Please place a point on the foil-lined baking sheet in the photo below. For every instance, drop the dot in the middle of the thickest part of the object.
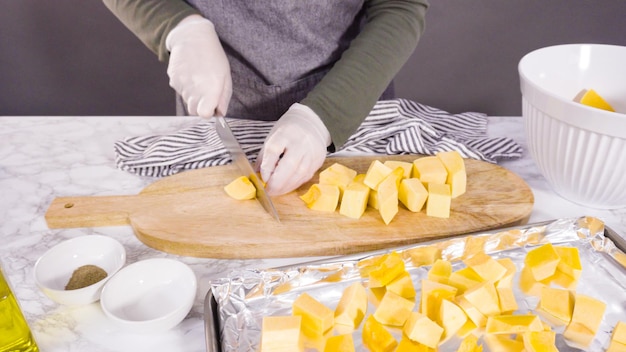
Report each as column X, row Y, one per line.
column 235, row 305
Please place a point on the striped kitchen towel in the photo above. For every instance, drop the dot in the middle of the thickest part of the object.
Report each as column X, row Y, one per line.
column 396, row 126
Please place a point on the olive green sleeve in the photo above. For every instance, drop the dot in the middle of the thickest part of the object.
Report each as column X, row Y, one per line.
column 151, row 20
column 348, row 92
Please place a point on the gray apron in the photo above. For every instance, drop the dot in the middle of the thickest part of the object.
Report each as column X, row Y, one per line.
column 279, row 50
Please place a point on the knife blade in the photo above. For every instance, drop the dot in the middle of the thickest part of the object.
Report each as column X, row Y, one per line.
column 243, row 164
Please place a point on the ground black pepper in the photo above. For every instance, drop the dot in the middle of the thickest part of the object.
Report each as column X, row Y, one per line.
column 84, row 276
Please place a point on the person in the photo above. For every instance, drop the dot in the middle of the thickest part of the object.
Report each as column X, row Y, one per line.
column 317, row 67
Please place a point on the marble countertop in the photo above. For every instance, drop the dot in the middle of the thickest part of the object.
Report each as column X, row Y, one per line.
column 46, row 157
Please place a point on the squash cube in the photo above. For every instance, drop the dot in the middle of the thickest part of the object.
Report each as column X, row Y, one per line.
column 402, row 285
column 375, row 174
column 542, row 261
column 432, row 295
column 439, row 200
column 457, row 176
column 424, row 255
column 430, row 169
column 485, row 266
column 540, row 341
column 340, row 343
column 354, row 200
column 338, row 175
column 422, row 329
column 281, row 334
column 387, row 194
column 407, row 168
column 484, row 297
column 586, row 318
column 321, row 197
column 241, row 188
column 376, row 337
column 513, row 324
column 556, row 305
column 316, row 317
column 394, row 309
column 440, row 271
column 570, row 261
column 412, row 194
column 388, row 269
column 451, row 318
column 352, row 306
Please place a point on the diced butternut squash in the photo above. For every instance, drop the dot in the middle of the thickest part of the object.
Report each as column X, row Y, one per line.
column 352, row 306
column 464, row 279
column 440, row 271
column 506, row 299
column 451, row 318
column 556, row 305
column 387, row 194
column 338, row 175
column 354, row 200
column 316, row 317
column 431, row 296
column 570, row 261
column 376, row 337
column 540, row 341
column 619, row 332
column 388, row 269
column 586, row 318
column 402, row 285
column 424, row 255
column 439, row 200
column 430, row 169
column 340, row 343
column 375, row 174
column 457, row 176
column 394, row 309
column 322, row 197
column 412, row 194
column 511, row 269
column 542, row 261
column 407, row 168
column 422, row 329
column 408, row 345
column 485, row 266
column 513, row 324
column 484, row 297
column 470, row 344
column 281, row 334
column 478, row 318
column 241, row 189
column 503, row 343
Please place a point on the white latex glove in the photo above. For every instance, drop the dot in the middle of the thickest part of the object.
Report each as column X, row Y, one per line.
column 294, row 150
column 198, row 68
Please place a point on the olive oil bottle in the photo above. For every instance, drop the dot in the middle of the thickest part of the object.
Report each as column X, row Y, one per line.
column 15, row 335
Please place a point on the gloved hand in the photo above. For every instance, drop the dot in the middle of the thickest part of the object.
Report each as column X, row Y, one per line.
column 198, row 68
column 294, row 150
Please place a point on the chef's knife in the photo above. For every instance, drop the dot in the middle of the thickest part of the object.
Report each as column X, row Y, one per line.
column 241, row 161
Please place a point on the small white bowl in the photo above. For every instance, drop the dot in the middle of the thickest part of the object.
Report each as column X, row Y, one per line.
column 54, row 268
column 580, row 150
column 151, row 295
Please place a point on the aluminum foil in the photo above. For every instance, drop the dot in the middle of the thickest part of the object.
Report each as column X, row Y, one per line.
column 245, row 297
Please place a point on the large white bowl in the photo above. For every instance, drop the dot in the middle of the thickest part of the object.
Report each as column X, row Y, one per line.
column 55, row 267
column 580, row 150
column 149, row 296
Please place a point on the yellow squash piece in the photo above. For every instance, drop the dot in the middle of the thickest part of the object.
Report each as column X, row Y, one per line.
column 619, row 332
column 451, row 318
column 340, row 343
column 352, row 306
column 570, row 261
column 485, row 266
column 408, row 345
column 390, row 267
column 241, row 188
column 354, row 200
column 322, row 197
column 440, row 271
column 439, row 200
column 402, row 285
column 405, row 166
column 431, row 296
column 484, row 297
column 586, row 318
column 556, row 305
column 511, row 269
column 470, row 344
column 542, row 261
column 281, row 334
column 513, row 324
column 593, row 99
column 503, row 343
column 476, row 317
column 506, row 299
column 376, row 337
column 375, row 174
column 540, row 341
column 424, row 255
column 464, row 279
column 422, row 329
column 393, row 309
column 338, row 175
column 430, row 169
column 457, row 176
column 316, row 317
column 387, row 194
column 412, row 194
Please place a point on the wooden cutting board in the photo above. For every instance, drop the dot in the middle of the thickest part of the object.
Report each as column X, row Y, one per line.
column 190, row 214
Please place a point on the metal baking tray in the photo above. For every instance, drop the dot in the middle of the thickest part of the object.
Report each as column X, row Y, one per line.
column 235, row 305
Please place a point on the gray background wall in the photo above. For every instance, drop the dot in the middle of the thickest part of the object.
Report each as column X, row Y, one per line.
column 73, row 57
